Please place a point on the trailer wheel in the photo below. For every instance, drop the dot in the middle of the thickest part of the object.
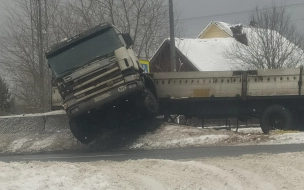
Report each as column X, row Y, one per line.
column 83, row 130
column 276, row 117
column 151, row 104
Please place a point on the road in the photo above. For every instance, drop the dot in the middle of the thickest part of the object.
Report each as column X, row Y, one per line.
column 171, row 154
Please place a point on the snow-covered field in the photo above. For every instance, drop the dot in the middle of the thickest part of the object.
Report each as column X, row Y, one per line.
column 250, row 172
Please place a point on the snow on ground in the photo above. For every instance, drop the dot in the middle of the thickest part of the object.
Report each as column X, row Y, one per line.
column 173, row 136
column 250, row 172
column 286, row 138
column 34, row 143
column 165, row 136
column 250, row 130
column 191, row 141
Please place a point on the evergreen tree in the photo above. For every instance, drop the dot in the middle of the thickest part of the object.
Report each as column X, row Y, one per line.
column 5, row 96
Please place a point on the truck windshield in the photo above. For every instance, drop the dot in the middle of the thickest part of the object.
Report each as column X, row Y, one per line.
column 84, row 52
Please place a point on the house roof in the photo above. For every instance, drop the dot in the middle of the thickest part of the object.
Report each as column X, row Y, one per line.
column 203, row 54
column 206, row 54
column 225, row 27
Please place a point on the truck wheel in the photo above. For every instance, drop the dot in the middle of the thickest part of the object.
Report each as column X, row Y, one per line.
column 150, row 102
column 276, row 117
column 83, row 130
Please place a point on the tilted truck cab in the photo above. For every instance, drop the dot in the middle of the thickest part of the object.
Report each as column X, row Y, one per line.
column 95, row 68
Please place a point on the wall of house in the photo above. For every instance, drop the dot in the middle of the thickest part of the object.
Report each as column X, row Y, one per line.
column 214, row 31
column 162, row 61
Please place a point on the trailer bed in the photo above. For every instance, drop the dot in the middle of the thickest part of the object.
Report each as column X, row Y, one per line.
column 225, row 84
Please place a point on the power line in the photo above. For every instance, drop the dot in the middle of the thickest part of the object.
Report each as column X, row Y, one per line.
column 233, row 13
column 211, row 16
column 297, row 20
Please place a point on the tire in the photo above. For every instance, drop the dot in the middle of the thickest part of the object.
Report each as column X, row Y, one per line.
column 276, row 117
column 151, row 105
column 83, row 129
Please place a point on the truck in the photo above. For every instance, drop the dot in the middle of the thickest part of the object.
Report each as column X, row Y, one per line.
column 99, row 80
column 96, row 75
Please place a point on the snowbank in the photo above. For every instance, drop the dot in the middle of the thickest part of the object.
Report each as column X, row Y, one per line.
column 291, row 137
column 262, row 171
column 36, row 175
column 34, row 143
column 256, row 130
column 174, row 136
column 165, row 136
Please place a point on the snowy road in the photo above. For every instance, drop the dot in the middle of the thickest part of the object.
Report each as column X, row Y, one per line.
column 230, row 163
column 171, row 154
column 248, row 172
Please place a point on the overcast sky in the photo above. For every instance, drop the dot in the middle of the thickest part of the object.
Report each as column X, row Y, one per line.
column 196, row 14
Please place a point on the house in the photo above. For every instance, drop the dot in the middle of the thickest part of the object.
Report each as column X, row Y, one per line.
column 210, row 50
column 205, row 53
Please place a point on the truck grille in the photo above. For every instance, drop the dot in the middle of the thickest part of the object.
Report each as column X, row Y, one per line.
column 99, row 81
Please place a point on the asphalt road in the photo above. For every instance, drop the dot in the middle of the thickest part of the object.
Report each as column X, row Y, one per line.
column 171, row 154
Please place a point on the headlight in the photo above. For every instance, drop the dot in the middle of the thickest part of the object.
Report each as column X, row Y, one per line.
column 69, row 103
column 131, row 78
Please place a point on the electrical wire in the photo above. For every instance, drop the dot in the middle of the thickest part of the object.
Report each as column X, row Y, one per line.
column 233, row 13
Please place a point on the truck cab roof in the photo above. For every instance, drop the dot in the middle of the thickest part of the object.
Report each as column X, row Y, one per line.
column 67, row 42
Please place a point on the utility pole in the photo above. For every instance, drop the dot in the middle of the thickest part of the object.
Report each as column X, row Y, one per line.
column 172, row 37
column 46, row 20
column 40, row 57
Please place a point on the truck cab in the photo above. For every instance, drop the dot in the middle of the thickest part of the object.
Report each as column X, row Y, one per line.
column 95, row 68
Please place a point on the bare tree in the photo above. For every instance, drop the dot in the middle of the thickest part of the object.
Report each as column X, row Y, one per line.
column 17, row 50
column 21, row 39
column 273, row 41
column 21, row 53
column 147, row 21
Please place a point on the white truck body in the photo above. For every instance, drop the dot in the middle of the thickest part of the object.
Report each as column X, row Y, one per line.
column 271, row 82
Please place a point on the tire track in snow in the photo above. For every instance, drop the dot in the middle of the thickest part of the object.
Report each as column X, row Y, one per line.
column 250, row 172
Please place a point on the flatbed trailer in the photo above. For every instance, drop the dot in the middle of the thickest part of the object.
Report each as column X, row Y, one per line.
column 275, row 96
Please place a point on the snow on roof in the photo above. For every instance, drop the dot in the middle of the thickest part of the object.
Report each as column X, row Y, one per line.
column 225, row 26
column 206, row 54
